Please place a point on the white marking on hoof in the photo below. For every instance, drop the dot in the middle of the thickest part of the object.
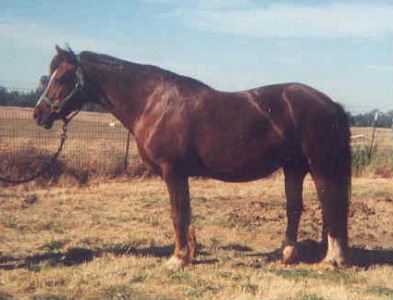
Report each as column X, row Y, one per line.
column 335, row 254
column 175, row 264
column 289, row 254
column 326, row 266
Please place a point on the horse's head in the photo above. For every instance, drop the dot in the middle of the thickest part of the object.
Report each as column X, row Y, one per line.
column 64, row 91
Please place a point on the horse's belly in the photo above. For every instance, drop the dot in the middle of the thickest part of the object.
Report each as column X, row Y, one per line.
column 242, row 163
column 239, row 176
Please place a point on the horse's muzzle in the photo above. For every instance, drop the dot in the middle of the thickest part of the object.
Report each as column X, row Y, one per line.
column 44, row 115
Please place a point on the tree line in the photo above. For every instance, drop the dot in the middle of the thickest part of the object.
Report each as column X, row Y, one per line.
column 16, row 98
column 368, row 119
column 29, row 99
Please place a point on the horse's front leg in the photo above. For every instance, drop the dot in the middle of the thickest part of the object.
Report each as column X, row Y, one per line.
column 185, row 243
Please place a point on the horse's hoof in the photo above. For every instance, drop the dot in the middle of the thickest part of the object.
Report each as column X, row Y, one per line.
column 175, row 264
column 326, row 265
column 289, row 254
column 334, row 262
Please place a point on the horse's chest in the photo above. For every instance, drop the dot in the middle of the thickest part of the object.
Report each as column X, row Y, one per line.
column 147, row 159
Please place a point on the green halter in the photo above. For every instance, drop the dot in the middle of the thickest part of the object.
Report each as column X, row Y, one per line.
column 79, row 87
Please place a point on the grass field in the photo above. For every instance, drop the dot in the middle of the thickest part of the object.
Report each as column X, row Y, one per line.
column 110, row 241
column 110, row 238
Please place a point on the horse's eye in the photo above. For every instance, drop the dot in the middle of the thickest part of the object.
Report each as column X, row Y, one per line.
column 67, row 78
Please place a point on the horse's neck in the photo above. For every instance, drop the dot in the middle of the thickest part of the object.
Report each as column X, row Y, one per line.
column 126, row 95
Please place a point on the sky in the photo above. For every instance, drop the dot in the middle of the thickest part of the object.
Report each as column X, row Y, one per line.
column 343, row 48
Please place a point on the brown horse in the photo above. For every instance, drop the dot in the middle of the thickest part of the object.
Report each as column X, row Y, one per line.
column 185, row 128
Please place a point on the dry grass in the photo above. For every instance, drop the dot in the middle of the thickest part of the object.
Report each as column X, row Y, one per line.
column 110, row 241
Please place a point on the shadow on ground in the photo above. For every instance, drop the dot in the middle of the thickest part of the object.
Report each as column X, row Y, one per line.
column 309, row 251
column 75, row 256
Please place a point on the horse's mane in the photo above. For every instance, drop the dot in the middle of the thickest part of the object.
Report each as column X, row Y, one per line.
column 112, row 63
column 104, row 60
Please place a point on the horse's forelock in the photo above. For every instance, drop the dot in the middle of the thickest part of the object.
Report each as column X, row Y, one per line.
column 67, row 55
column 54, row 63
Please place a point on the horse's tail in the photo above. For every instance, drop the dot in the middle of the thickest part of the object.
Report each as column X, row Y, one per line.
column 343, row 152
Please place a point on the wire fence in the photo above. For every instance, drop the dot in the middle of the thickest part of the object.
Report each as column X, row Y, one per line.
column 96, row 146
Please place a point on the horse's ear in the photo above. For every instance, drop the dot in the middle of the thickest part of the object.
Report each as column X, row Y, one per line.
column 59, row 50
column 65, row 55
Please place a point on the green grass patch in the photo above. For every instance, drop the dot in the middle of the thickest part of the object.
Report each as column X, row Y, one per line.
column 117, row 292
column 180, row 276
column 139, row 277
column 308, row 296
column 379, row 162
column 53, row 245
column 380, row 291
column 48, row 297
column 249, row 288
column 360, row 158
column 12, row 222
column 5, row 296
column 331, row 276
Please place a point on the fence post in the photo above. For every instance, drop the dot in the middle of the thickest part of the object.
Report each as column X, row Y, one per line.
column 125, row 161
column 392, row 129
column 373, row 135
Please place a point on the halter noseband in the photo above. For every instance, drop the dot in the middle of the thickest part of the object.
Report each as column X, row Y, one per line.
column 58, row 106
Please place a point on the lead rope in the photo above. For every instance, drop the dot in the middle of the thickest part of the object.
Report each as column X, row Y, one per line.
column 47, row 164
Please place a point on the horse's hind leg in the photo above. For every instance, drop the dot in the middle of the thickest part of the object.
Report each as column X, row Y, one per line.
column 294, row 177
column 334, row 198
column 331, row 172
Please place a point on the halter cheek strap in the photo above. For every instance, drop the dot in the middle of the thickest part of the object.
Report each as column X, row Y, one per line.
column 58, row 106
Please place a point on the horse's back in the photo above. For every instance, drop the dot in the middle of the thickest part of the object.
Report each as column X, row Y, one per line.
column 299, row 109
column 235, row 137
